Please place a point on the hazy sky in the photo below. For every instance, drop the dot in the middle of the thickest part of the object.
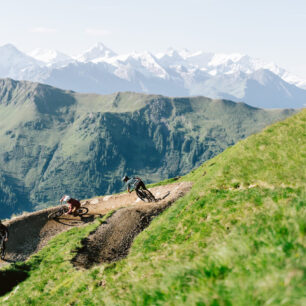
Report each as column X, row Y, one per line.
column 273, row 30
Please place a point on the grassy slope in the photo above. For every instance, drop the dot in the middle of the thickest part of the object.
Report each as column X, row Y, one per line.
column 238, row 238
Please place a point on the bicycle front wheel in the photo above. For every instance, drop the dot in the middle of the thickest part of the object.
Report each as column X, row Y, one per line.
column 142, row 195
column 149, row 196
column 56, row 213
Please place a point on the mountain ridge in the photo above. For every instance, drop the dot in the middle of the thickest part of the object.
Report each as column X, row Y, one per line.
column 174, row 73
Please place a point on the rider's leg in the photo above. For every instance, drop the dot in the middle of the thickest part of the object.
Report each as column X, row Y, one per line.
column 139, row 191
column 137, row 187
column 143, row 186
column 75, row 209
column 69, row 212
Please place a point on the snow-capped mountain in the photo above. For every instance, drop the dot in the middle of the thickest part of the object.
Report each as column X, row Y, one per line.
column 97, row 53
column 235, row 76
column 16, row 64
column 51, row 57
column 145, row 63
column 232, row 63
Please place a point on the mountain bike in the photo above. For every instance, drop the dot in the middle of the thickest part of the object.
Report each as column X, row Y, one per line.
column 63, row 209
column 145, row 195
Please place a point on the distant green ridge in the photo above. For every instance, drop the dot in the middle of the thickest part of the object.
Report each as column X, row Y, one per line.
column 238, row 238
column 54, row 142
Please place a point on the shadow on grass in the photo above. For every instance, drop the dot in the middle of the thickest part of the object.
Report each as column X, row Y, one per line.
column 9, row 278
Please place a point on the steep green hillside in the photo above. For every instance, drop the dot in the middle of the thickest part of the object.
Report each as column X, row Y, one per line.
column 238, row 238
column 54, row 142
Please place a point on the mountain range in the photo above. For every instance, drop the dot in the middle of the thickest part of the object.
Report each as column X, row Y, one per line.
column 174, row 73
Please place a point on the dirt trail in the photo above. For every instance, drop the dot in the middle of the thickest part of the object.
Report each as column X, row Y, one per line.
column 29, row 233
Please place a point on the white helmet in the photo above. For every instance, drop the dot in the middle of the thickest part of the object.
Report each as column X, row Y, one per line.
column 66, row 198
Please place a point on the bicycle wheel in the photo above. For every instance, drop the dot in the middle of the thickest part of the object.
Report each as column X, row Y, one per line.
column 141, row 195
column 82, row 211
column 144, row 195
column 149, row 196
column 56, row 213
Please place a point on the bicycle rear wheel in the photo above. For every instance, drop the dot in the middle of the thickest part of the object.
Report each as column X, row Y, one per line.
column 82, row 211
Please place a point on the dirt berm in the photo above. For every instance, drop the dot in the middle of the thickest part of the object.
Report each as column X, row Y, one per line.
column 111, row 241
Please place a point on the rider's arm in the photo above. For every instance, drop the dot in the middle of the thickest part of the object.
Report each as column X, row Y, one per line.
column 70, row 208
column 128, row 187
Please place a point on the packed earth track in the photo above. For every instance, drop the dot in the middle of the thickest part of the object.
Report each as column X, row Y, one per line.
column 30, row 232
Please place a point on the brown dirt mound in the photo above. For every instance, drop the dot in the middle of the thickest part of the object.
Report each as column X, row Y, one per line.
column 112, row 240
column 30, row 232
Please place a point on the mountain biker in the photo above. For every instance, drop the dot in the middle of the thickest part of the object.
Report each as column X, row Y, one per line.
column 73, row 204
column 135, row 183
column 3, row 238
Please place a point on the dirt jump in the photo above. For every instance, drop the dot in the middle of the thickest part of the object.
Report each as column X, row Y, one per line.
column 111, row 241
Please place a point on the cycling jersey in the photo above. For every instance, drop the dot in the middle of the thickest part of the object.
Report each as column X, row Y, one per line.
column 74, row 203
column 132, row 183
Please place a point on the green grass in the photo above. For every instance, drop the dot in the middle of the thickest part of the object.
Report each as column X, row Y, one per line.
column 50, row 271
column 238, row 238
column 164, row 182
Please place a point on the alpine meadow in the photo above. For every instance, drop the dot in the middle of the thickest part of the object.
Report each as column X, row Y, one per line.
column 236, row 238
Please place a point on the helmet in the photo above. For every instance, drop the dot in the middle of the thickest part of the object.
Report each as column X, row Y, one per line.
column 125, row 178
column 66, row 198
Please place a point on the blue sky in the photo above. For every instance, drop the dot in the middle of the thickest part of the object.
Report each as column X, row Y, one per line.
column 272, row 30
